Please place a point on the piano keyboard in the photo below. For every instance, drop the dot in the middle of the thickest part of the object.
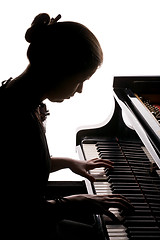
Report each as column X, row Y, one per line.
column 134, row 176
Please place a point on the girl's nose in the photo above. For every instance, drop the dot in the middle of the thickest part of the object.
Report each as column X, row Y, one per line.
column 79, row 88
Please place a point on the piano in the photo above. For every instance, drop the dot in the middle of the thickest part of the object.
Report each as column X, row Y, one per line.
column 130, row 139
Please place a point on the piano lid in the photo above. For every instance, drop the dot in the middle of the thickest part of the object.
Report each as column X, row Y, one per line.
column 138, row 84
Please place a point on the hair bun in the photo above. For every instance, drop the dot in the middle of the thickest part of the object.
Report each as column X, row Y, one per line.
column 42, row 18
column 37, row 26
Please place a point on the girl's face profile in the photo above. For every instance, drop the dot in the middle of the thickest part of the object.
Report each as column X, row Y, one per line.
column 66, row 88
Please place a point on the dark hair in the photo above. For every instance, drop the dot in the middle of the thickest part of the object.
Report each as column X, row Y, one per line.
column 66, row 47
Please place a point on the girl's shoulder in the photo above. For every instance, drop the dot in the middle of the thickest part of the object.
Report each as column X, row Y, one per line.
column 4, row 84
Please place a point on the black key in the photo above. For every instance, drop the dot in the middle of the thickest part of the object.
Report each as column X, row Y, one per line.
column 142, row 228
column 139, row 222
column 123, row 191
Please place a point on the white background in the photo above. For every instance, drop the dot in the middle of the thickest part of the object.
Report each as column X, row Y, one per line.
column 129, row 33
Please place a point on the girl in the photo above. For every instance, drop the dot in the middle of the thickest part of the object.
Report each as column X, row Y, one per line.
column 62, row 55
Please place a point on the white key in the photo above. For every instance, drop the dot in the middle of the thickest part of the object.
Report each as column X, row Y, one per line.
column 117, row 232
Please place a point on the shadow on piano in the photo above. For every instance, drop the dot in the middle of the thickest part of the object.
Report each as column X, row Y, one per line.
column 134, row 147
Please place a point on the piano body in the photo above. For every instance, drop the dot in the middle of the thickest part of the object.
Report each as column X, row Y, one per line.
column 131, row 139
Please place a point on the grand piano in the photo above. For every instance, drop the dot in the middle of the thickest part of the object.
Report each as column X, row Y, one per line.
column 130, row 139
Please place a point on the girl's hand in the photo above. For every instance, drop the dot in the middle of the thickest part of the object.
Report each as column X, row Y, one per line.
column 97, row 204
column 82, row 167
